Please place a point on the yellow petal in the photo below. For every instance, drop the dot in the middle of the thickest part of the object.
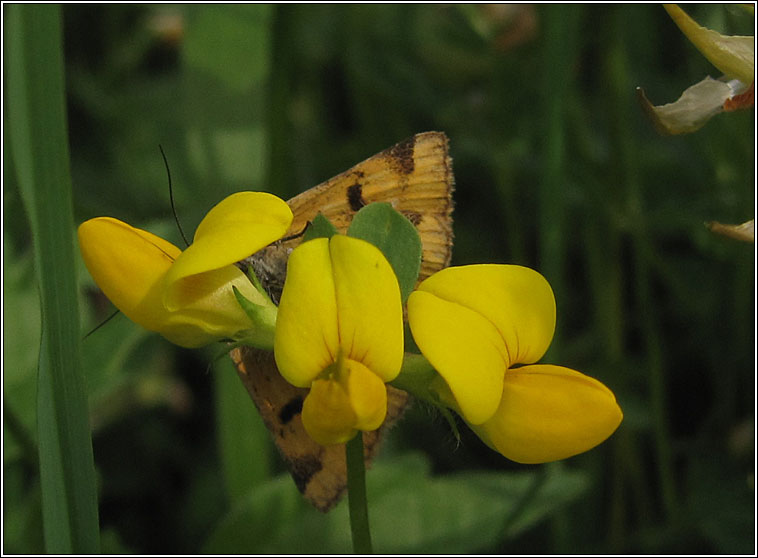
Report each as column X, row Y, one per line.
column 328, row 416
column 466, row 350
column 307, row 340
column 368, row 396
column 201, row 290
column 548, row 413
column 369, row 308
column 351, row 398
column 208, row 309
column 237, row 227
column 733, row 55
column 517, row 300
column 129, row 265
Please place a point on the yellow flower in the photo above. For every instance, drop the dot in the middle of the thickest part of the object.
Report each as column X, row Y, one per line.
column 339, row 331
column 187, row 296
column 475, row 324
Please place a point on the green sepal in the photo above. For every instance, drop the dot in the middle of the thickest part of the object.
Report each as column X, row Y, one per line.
column 320, row 227
column 261, row 335
column 417, row 377
column 450, row 417
column 256, row 283
column 397, row 238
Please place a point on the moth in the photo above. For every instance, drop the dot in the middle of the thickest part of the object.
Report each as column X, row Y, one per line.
column 416, row 177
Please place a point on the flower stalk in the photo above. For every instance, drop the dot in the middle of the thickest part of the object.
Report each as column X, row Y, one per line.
column 356, row 494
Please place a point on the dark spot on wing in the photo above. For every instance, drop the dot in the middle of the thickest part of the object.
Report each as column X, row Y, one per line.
column 413, row 216
column 355, row 196
column 401, row 156
column 292, row 408
column 303, row 469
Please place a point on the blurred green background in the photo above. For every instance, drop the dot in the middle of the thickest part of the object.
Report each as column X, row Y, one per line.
column 556, row 168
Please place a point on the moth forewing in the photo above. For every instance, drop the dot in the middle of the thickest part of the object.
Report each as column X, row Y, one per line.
column 319, row 472
column 416, row 177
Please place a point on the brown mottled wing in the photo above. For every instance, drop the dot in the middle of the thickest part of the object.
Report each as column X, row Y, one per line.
column 319, row 471
column 416, row 177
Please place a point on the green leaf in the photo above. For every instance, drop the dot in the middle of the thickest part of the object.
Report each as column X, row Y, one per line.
column 274, row 518
column 21, row 306
column 417, row 513
column 22, row 517
column 410, row 511
column 37, row 125
column 395, row 236
column 717, row 496
column 320, row 227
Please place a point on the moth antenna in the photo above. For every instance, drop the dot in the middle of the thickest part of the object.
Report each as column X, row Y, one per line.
column 171, row 197
column 296, row 235
column 101, row 324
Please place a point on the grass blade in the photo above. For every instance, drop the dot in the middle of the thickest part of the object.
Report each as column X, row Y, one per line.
column 37, row 126
column 244, row 442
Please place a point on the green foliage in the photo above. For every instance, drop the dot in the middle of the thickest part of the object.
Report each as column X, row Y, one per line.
column 395, row 236
column 411, row 512
column 37, row 125
column 388, row 230
column 555, row 167
column 320, row 227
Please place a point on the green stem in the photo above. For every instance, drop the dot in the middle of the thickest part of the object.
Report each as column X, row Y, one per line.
column 642, row 255
column 356, row 495
column 656, row 381
column 281, row 84
column 562, row 31
column 415, row 375
column 560, row 52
